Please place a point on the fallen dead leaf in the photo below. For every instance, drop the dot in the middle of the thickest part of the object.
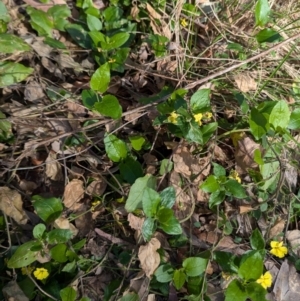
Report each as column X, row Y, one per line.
column 293, row 237
column 63, row 223
column 135, row 222
column 140, row 284
column 12, row 291
column 245, row 209
column 34, row 92
column 277, row 228
column 11, row 204
column 74, row 192
column 96, row 188
column 53, row 168
column 245, row 82
column 27, row 186
column 244, row 154
column 148, row 256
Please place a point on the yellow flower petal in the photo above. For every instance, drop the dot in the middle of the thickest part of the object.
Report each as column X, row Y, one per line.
column 41, row 273
column 198, row 117
column 173, row 117
column 277, row 249
column 265, row 280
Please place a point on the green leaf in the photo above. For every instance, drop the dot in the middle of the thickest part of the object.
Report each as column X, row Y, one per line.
column 269, row 173
column 226, row 260
column 164, row 215
column 216, row 198
column 137, row 142
column 257, row 157
column 109, row 106
column 130, row 170
column 256, row 292
column 79, row 35
column 115, row 41
column 151, row 200
column 258, row 123
column 4, row 15
column 54, row 43
column 115, row 148
column 89, row 98
column 168, row 197
column 11, row 73
column 219, row 170
column 210, row 184
column 166, row 166
column 136, row 192
column 38, row 231
column 48, row 209
column 5, row 128
column 171, row 226
column 23, row 256
column 235, row 189
column 148, row 228
column 70, row 267
column 101, row 78
column 58, row 253
column 10, row 44
column 294, row 123
column 200, row 100
column 59, row 236
column 268, row 35
column 118, row 59
column 68, row 294
column 194, row 134
column 93, row 23
column 257, row 241
column 97, row 37
column 164, row 273
column 40, row 21
column 59, row 14
column 130, row 297
column 251, row 266
column 235, row 291
column 194, row 266
column 280, row 115
column 208, row 130
column 262, row 11
column 179, row 279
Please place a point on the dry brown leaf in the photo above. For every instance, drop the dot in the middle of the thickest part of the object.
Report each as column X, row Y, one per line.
column 162, row 28
column 53, row 168
column 245, row 82
column 293, row 237
column 27, row 186
column 11, row 204
column 135, row 222
column 148, row 256
column 151, row 297
column 245, row 209
column 73, row 193
column 219, row 154
column 34, row 92
column 63, row 223
column 244, row 154
column 13, row 292
column 96, row 188
column 140, row 284
column 277, row 228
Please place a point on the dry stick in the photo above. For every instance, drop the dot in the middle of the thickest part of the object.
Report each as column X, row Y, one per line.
column 249, row 60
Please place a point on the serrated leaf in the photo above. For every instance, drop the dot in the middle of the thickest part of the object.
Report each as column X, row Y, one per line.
column 23, row 256
column 200, row 100
column 280, row 115
column 168, row 197
column 109, row 106
column 136, row 192
column 194, row 266
column 115, row 148
column 151, row 200
column 171, row 226
column 164, row 215
column 210, row 184
column 179, row 279
column 262, row 11
column 235, row 189
column 48, row 209
column 11, row 73
column 101, row 78
column 10, row 44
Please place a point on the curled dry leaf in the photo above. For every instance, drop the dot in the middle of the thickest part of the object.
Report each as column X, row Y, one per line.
column 277, row 228
column 244, row 154
column 73, row 193
column 96, row 188
column 27, row 186
column 53, row 168
column 293, row 237
column 135, row 222
column 11, row 204
column 245, row 82
column 148, row 256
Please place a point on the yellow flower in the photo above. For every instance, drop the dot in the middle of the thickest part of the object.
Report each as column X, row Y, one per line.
column 265, row 280
column 27, row 270
column 198, row 118
column 278, row 249
column 235, row 137
column 207, row 115
column 111, row 61
column 41, row 273
column 173, row 117
column 235, row 176
column 226, row 276
column 183, row 22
